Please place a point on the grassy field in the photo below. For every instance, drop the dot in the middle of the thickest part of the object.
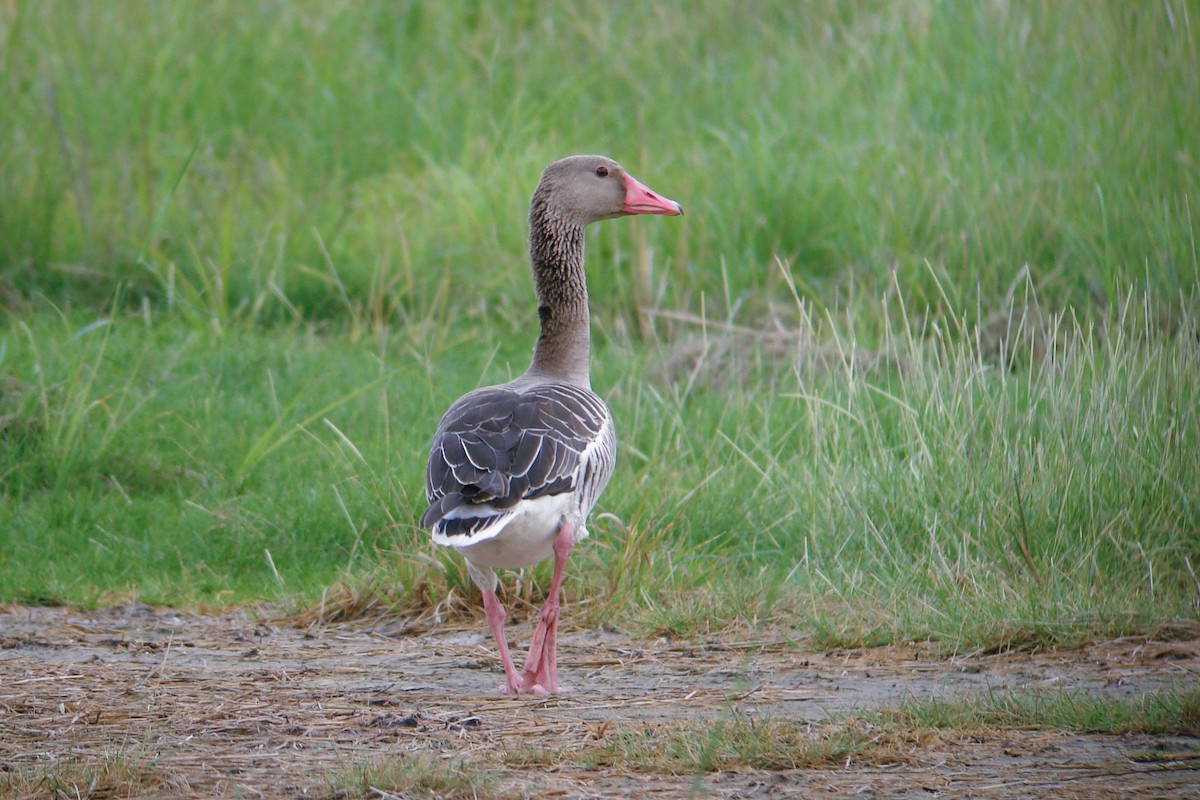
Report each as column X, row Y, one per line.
column 921, row 361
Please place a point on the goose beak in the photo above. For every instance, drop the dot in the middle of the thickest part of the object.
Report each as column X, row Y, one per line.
column 640, row 200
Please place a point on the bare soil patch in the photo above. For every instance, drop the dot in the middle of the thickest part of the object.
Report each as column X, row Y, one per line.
column 226, row 705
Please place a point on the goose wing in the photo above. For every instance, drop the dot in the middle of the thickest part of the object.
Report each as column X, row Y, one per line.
column 499, row 446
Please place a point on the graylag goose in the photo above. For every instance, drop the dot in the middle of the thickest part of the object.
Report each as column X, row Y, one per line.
column 515, row 469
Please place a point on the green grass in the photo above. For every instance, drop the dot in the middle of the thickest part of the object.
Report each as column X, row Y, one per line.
column 1165, row 713
column 934, row 495
column 114, row 774
column 697, row 746
column 239, row 161
column 688, row 748
column 414, row 777
column 920, row 361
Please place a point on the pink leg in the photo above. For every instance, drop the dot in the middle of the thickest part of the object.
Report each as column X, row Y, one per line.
column 541, row 665
column 495, row 617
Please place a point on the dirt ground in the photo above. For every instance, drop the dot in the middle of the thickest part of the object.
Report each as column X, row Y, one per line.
column 226, row 705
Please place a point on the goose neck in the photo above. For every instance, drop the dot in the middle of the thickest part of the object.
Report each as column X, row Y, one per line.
column 563, row 347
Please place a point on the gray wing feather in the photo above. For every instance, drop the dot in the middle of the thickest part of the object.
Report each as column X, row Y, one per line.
column 500, row 445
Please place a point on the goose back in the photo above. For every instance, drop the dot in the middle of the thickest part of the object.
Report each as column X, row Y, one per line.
column 516, row 442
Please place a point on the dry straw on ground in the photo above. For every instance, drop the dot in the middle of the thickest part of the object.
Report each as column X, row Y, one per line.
column 143, row 702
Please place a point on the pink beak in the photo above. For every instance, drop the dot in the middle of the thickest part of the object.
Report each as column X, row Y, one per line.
column 640, row 200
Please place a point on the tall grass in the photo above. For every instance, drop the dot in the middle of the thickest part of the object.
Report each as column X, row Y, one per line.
column 320, row 160
column 921, row 360
column 983, row 499
column 1040, row 488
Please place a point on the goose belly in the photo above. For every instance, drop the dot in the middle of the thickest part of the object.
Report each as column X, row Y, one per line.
column 528, row 535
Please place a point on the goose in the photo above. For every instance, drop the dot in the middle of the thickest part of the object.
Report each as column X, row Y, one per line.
column 514, row 469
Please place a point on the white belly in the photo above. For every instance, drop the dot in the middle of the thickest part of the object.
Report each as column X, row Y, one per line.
column 528, row 536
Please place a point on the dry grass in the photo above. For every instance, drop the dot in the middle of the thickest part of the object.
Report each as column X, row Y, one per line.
column 113, row 774
column 703, row 745
column 408, row 776
column 724, row 354
column 1171, row 713
column 152, row 703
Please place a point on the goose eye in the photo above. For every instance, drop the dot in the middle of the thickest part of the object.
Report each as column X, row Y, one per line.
column 601, row 172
